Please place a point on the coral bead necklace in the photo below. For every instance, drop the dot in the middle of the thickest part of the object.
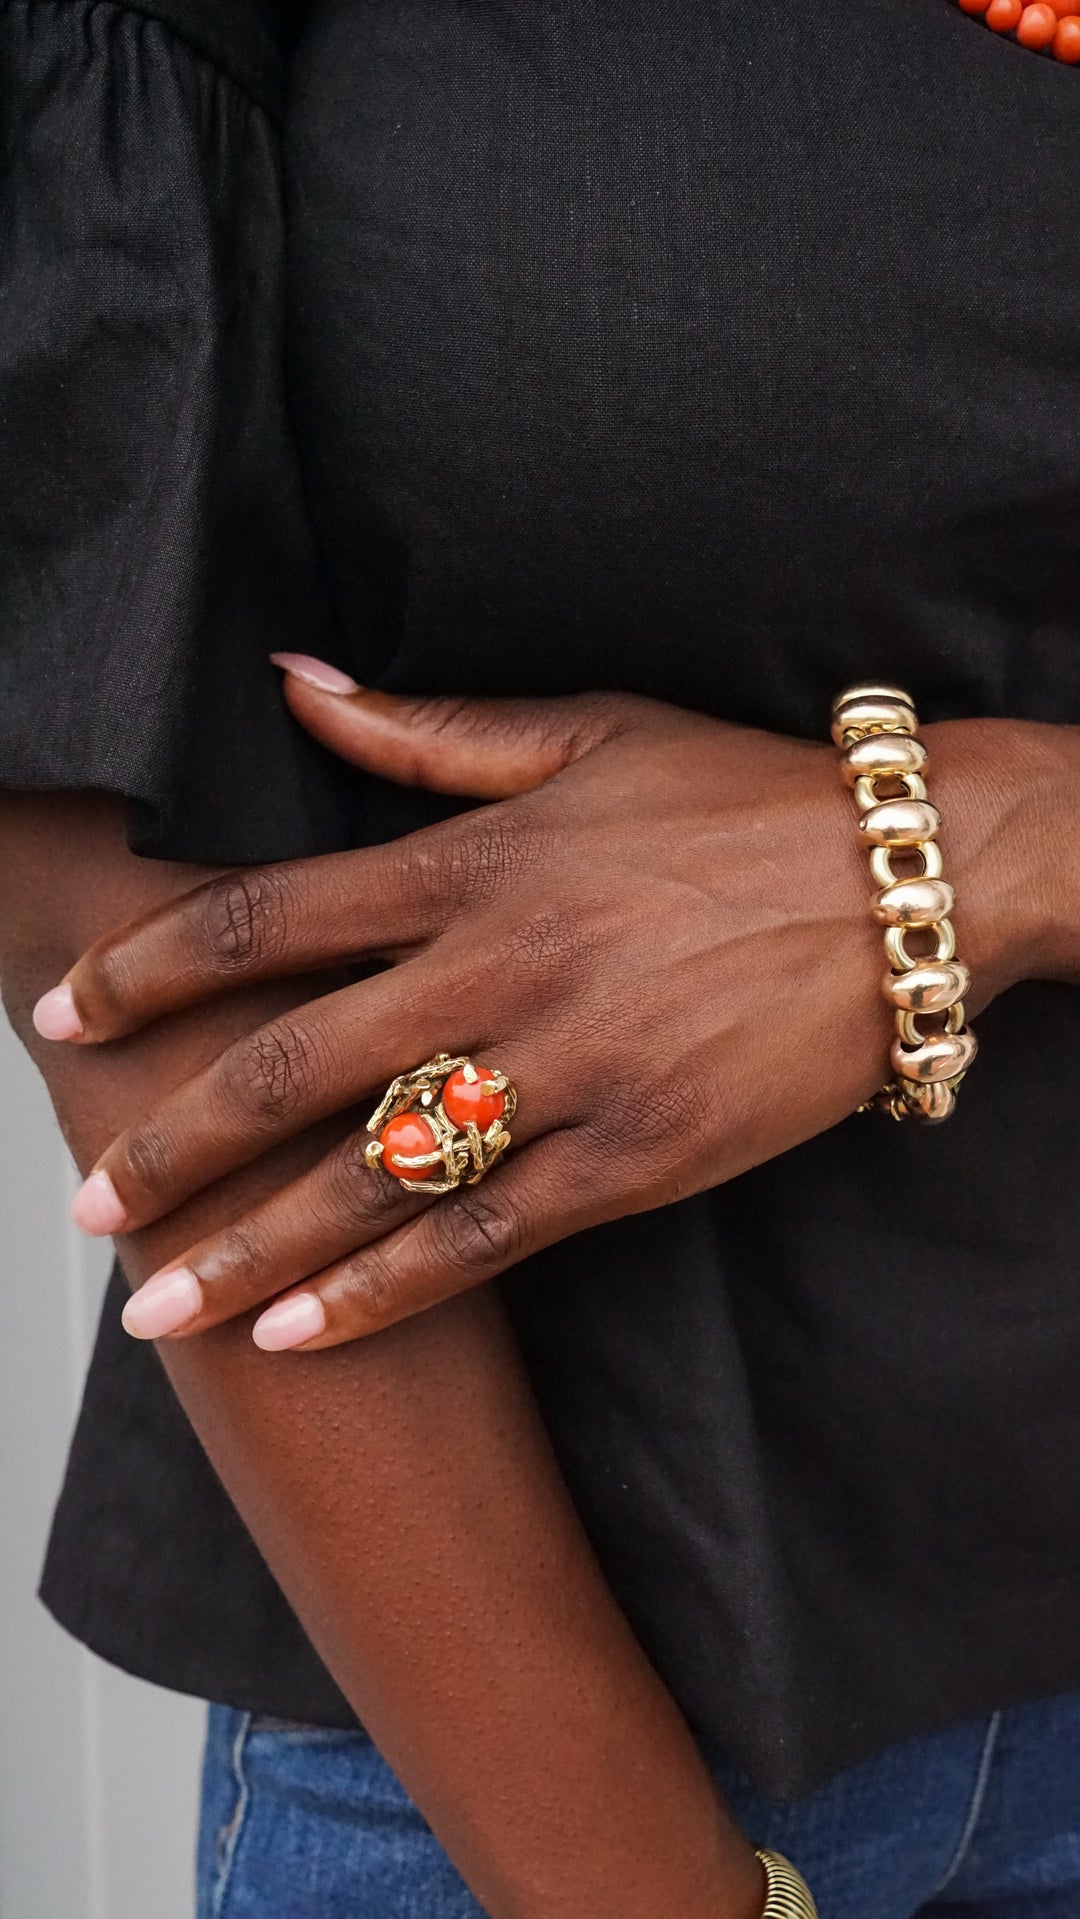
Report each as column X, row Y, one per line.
column 1051, row 26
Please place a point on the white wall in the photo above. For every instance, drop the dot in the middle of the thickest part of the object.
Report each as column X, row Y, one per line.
column 97, row 1771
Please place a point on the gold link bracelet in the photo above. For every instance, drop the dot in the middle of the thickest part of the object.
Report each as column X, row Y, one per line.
column 788, row 1895
column 875, row 728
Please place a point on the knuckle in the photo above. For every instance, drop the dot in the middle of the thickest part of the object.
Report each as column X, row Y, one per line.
column 108, row 983
column 147, row 1158
column 244, row 918
column 270, row 1076
column 471, row 1231
column 444, row 713
column 356, row 1195
column 481, row 858
column 605, row 1129
column 370, row 1292
column 238, row 1264
column 469, row 861
column 656, row 1122
column 638, row 1120
column 418, row 870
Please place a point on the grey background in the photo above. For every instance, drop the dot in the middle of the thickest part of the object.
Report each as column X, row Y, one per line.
column 98, row 1772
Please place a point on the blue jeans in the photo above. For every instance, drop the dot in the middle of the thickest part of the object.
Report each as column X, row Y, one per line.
column 981, row 1821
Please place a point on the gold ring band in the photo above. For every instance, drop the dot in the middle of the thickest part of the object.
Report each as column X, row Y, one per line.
column 441, row 1125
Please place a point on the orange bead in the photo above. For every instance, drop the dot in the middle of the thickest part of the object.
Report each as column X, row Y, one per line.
column 1037, row 26
column 1063, row 8
column 974, row 6
column 410, row 1134
column 463, row 1101
column 1067, row 40
column 1004, row 15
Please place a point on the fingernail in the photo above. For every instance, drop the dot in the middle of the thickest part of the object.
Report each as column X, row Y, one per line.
column 328, row 679
column 97, row 1206
column 55, row 1016
column 290, row 1323
column 164, row 1304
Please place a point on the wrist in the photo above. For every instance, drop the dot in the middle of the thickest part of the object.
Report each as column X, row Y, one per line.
column 738, row 1890
column 1009, row 796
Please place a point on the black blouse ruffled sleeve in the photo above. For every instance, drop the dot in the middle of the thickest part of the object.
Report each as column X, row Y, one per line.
column 154, row 546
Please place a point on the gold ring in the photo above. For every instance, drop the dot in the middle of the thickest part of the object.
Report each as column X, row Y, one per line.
column 442, row 1124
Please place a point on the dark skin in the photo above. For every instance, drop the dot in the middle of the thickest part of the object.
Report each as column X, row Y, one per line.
column 661, row 934
column 666, row 916
column 402, row 1490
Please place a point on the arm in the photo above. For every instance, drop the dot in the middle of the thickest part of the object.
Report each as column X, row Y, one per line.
column 402, row 1489
column 664, row 927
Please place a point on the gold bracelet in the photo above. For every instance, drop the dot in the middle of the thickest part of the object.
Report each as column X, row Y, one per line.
column 875, row 726
column 788, row 1895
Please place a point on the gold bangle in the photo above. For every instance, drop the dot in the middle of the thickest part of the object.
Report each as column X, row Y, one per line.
column 875, row 727
column 788, row 1896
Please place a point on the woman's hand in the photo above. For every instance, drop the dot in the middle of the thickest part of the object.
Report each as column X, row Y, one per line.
column 402, row 1490
column 658, row 928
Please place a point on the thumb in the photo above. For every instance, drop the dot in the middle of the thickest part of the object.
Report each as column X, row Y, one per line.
column 480, row 749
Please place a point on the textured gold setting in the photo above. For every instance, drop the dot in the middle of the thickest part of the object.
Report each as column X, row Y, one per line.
column 788, row 1895
column 464, row 1153
column 875, row 728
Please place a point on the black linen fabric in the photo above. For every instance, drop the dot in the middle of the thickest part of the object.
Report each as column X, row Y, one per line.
column 156, row 544
column 652, row 347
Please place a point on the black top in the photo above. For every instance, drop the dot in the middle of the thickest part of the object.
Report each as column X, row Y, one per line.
column 719, row 353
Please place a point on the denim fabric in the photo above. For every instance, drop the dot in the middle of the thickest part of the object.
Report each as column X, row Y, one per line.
column 980, row 1821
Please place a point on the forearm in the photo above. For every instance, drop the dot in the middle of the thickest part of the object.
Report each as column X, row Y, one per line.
column 402, row 1491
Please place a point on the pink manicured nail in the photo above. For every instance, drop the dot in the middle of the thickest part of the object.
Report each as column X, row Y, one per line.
column 328, row 679
column 97, row 1206
column 164, row 1304
column 290, row 1323
column 55, row 1016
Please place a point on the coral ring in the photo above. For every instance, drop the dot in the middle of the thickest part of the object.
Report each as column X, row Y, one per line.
column 442, row 1124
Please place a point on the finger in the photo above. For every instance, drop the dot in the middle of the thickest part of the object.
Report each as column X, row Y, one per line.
column 459, row 1241
column 486, row 749
column 337, row 1208
column 306, row 1064
column 340, row 1206
column 255, row 924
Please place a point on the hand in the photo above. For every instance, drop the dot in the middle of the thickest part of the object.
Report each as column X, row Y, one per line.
column 402, row 1490
column 658, row 928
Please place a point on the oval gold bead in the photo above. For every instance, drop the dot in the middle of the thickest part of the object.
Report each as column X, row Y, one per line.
column 914, row 903
column 882, row 756
column 881, row 863
column 872, row 690
column 872, row 716
column 931, row 986
column 936, row 1059
column 900, row 823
